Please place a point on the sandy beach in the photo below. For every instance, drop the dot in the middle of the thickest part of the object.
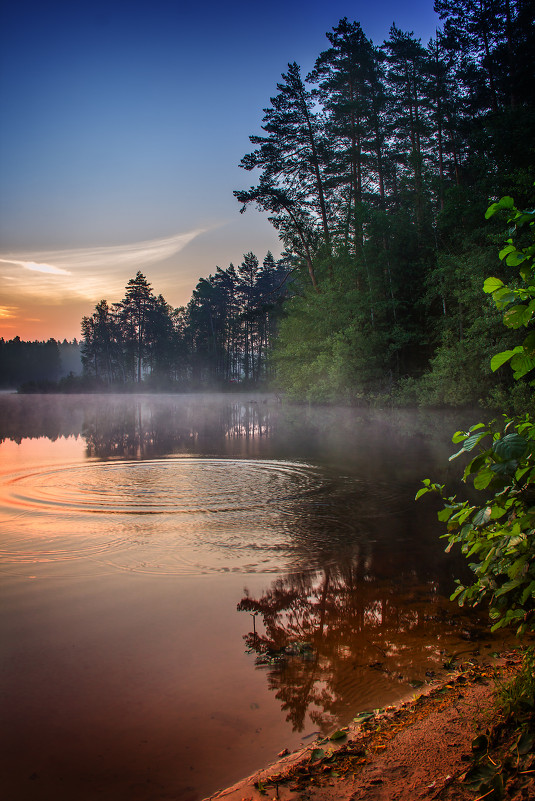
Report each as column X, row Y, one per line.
column 447, row 743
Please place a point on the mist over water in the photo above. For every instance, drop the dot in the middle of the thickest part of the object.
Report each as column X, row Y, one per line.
column 192, row 583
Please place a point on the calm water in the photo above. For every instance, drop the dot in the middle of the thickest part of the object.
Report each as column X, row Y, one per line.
column 189, row 585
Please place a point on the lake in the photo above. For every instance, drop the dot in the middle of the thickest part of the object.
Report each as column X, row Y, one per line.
column 190, row 584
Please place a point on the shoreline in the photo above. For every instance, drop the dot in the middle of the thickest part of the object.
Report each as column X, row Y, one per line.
column 421, row 747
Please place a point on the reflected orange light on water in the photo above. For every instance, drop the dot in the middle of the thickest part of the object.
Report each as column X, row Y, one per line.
column 39, row 452
column 132, row 558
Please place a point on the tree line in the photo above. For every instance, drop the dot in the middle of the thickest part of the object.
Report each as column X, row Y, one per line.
column 376, row 169
column 221, row 337
column 37, row 363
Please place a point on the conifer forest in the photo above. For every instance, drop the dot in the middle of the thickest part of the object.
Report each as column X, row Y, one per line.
column 376, row 169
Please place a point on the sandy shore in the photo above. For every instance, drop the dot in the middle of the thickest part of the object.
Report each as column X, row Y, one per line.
column 419, row 749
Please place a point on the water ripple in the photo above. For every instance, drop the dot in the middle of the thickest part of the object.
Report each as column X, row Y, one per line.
column 179, row 515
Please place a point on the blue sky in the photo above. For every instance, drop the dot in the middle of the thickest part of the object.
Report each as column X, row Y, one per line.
column 123, row 124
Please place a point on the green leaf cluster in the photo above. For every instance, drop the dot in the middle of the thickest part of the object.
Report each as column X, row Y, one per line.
column 375, row 170
column 516, row 300
column 497, row 534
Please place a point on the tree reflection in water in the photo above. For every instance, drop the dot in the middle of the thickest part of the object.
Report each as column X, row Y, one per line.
column 146, row 429
column 337, row 638
column 365, row 576
column 138, row 426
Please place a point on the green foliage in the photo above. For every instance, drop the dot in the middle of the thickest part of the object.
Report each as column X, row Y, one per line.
column 516, row 301
column 497, row 535
column 375, row 170
column 328, row 348
column 503, row 757
column 517, row 697
column 458, row 375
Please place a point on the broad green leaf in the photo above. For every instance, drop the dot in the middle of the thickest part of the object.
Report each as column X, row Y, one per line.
column 507, row 249
column 508, row 587
column 505, row 468
column 471, row 442
column 491, row 285
column 497, row 786
column 522, row 364
column 462, row 596
column 488, row 559
column 526, row 273
column 475, row 465
column 483, row 478
column 500, row 358
column 476, row 427
column 482, row 517
column 514, row 543
column 516, row 567
column 530, row 590
column 528, row 314
column 504, row 203
column 517, row 316
column 521, row 218
column 525, row 743
column 475, row 549
column 514, row 259
column 455, row 455
column 502, row 297
column 497, row 512
column 465, row 514
column 512, row 446
column 529, row 342
column 457, row 592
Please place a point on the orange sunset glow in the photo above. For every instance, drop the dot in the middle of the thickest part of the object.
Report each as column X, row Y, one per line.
column 46, row 293
column 122, row 140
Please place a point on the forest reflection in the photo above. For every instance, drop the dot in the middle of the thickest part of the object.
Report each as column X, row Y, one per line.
column 135, row 532
column 137, row 426
column 337, row 640
column 148, row 430
column 146, row 426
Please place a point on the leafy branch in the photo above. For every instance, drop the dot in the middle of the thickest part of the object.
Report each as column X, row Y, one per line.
column 498, row 534
column 517, row 302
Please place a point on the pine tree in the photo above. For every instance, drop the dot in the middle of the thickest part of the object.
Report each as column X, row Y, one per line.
column 406, row 70
column 135, row 312
column 349, row 87
column 292, row 160
column 102, row 347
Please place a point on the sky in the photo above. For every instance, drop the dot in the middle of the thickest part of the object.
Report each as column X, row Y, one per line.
column 123, row 125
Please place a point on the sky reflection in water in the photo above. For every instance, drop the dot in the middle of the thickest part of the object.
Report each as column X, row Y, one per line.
column 142, row 536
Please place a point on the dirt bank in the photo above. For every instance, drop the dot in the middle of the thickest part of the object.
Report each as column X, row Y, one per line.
column 425, row 748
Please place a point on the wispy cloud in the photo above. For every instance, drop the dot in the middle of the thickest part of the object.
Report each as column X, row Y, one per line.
column 8, row 312
column 137, row 254
column 63, row 277
column 38, row 268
